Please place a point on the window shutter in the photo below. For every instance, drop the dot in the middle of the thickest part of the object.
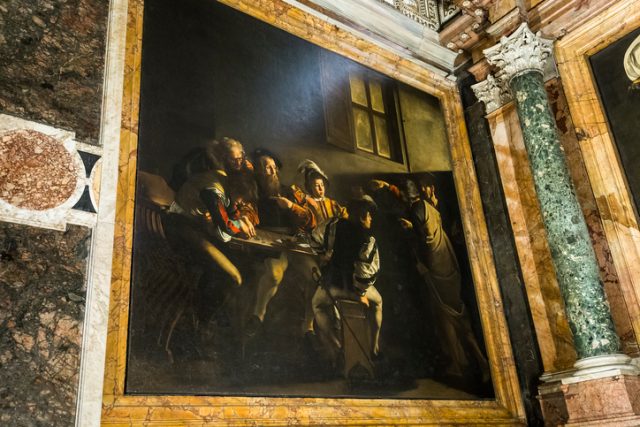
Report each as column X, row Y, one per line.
column 334, row 75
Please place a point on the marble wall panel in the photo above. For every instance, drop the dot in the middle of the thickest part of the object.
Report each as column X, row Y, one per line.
column 52, row 62
column 42, row 295
column 584, row 192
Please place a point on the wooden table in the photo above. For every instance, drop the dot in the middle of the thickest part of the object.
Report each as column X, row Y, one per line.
column 273, row 242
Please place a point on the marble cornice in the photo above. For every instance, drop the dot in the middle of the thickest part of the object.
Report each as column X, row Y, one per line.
column 555, row 18
column 373, row 20
column 467, row 30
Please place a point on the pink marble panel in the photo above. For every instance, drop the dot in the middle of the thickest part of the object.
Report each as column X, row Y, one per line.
column 602, row 399
column 36, row 171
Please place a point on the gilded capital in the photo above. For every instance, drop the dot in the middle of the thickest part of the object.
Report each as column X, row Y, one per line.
column 519, row 52
column 493, row 92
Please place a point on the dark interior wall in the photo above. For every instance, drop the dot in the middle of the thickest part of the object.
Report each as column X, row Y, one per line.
column 210, row 71
column 622, row 106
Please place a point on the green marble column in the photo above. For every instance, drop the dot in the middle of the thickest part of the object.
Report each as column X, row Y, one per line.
column 520, row 60
column 571, row 249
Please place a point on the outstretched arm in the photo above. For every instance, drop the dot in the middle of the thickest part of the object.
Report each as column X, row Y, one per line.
column 214, row 201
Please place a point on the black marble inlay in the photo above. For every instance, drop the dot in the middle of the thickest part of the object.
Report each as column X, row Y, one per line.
column 85, row 204
column 89, row 160
column 515, row 303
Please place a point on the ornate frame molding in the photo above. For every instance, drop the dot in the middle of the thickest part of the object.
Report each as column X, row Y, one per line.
column 119, row 408
column 605, row 171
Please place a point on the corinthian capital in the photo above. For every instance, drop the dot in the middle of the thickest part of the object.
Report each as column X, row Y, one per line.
column 521, row 51
column 493, row 92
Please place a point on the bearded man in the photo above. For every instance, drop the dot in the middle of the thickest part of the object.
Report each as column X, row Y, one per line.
column 281, row 209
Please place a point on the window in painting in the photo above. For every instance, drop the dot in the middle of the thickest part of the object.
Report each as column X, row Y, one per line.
column 370, row 115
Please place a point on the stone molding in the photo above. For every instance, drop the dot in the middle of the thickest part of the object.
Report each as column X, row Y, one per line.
column 608, row 365
column 520, row 52
column 465, row 31
column 375, row 21
column 43, row 175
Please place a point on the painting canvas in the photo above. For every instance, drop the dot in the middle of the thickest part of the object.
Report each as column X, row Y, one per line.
column 296, row 229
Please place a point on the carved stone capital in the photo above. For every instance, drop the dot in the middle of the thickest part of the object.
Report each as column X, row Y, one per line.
column 519, row 52
column 493, row 92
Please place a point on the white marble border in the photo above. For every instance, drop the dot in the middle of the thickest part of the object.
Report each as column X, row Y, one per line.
column 89, row 404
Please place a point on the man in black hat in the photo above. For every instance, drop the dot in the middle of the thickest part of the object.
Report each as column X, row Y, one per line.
column 350, row 273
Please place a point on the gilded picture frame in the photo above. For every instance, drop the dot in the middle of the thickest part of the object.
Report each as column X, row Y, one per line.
column 120, row 409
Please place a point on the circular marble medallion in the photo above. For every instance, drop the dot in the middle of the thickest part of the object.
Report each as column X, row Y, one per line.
column 36, row 171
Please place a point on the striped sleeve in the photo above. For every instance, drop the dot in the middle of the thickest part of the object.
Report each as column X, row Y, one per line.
column 214, row 201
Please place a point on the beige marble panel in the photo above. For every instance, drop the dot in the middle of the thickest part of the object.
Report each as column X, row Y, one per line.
column 120, row 408
column 498, row 9
column 555, row 18
column 103, row 194
column 606, row 176
column 545, row 301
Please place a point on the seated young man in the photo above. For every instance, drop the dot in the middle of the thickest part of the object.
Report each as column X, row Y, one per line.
column 351, row 272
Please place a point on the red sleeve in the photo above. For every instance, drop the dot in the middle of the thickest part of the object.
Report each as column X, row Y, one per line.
column 218, row 211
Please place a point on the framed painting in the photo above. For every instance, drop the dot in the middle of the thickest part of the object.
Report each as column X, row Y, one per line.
column 300, row 236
